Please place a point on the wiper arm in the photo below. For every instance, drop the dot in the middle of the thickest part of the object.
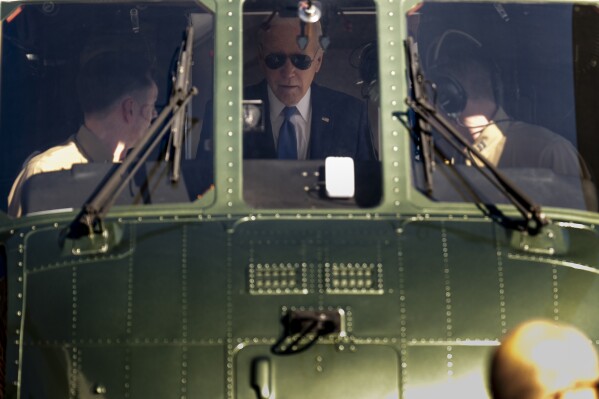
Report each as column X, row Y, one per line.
column 181, row 83
column 89, row 220
column 420, row 127
column 431, row 118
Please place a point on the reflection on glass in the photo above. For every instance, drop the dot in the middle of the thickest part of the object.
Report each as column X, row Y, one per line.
column 80, row 97
column 504, row 76
column 311, row 78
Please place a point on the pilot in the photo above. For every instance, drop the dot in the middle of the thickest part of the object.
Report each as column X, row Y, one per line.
column 545, row 360
column 302, row 119
column 118, row 96
column 467, row 88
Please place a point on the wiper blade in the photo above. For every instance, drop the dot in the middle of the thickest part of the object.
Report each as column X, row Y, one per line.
column 180, row 126
column 534, row 218
column 420, row 127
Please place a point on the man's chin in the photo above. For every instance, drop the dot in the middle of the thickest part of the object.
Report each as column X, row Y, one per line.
column 288, row 95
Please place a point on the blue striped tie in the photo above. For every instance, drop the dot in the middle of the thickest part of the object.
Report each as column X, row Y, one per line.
column 287, row 144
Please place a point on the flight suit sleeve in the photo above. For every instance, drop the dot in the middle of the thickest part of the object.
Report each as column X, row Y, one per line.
column 14, row 197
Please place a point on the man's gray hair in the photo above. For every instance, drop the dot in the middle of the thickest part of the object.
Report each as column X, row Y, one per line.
column 313, row 31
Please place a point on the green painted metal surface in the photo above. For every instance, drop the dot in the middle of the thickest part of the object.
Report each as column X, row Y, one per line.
column 187, row 300
column 181, row 307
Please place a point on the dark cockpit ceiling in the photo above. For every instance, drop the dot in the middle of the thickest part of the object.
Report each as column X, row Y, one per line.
column 289, row 7
column 78, row 21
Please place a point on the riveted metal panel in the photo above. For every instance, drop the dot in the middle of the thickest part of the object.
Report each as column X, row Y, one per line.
column 259, row 244
column 100, row 305
column 424, row 281
column 331, row 373
column 193, row 306
column 49, row 307
column 446, row 371
column 156, row 282
column 45, row 372
column 451, row 299
column 206, row 371
column 314, row 250
column 65, row 303
column 147, row 371
column 469, row 365
column 205, row 285
column 528, row 291
column 575, row 295
column 101, row 371
column 473, row 278
column 46, row 249
column 421, row 365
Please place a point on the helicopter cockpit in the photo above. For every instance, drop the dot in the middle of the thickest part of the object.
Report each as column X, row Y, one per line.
column 174, row 162
column 46, row 48
column 509, row 86
column 337, row 95
column 535, row 127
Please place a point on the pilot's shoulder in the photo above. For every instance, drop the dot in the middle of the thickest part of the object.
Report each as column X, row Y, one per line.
column 56, row 158
column 538, row 134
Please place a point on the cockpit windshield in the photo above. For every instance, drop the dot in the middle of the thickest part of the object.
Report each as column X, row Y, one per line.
column 314, row 72
column 83, row 86
column 86, row 87
column 519, row 83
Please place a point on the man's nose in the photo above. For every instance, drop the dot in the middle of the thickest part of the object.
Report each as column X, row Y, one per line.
column 288, row 68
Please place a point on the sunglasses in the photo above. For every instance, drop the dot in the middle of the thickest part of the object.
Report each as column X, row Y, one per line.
column 277, row 60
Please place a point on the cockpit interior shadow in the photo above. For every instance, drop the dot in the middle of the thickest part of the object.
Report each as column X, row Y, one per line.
column 463, row 183
column 301, row 185
column 70, row 189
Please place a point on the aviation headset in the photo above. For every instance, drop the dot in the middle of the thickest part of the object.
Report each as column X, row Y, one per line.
column 368, row 69
column 368, row 66
column 448, row 92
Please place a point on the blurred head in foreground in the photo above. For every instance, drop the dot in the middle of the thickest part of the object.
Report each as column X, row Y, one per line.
column 545, row 360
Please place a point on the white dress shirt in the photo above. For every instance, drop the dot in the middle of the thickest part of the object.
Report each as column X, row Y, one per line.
column 300, row 120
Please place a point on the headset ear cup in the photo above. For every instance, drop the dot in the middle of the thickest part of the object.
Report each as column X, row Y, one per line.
column 448, row 93
column 368, row 67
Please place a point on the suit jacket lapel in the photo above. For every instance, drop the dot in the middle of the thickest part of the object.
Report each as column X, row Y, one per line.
column 321, row 129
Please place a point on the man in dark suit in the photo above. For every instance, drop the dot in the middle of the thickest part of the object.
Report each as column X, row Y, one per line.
column 302, row 119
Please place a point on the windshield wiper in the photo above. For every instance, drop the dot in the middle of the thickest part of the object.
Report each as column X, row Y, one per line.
column 90, row 220
column 429, row 118
column 180, row 127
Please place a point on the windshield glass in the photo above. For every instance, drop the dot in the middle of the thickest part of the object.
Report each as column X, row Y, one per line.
column 313, row 73
column 81, row 86
column 519, row 83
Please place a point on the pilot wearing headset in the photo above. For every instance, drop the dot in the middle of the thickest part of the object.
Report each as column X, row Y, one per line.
column 467, row 90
